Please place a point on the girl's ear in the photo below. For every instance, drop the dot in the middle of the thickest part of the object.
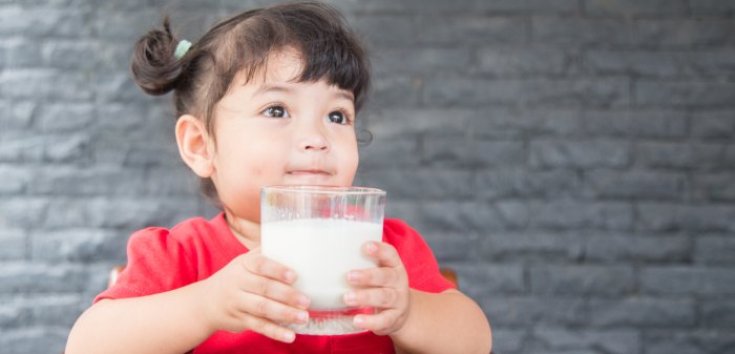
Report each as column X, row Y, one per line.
column 195, row 146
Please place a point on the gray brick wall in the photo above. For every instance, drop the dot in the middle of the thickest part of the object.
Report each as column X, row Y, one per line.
column 573, row 160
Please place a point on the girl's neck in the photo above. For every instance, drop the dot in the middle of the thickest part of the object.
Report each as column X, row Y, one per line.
column 246, row 231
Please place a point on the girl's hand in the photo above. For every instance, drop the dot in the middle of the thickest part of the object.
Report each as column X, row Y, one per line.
column 385, row 288
column 254, row 293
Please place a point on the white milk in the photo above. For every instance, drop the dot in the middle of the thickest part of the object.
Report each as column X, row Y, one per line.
column 321, row 251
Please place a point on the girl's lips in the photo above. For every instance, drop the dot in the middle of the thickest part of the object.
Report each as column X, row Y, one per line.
column 308, row 177
column 308, row 173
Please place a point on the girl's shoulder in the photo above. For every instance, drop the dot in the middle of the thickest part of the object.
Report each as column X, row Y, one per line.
column 185, row 230
column 400, row 234
column 193, row 235
column 392, row 226
column 417, row 256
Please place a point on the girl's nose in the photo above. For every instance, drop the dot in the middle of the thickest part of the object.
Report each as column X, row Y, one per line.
column 312, row 138
column 314, row 143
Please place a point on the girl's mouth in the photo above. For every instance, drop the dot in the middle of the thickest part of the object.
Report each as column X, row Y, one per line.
column 309, row 173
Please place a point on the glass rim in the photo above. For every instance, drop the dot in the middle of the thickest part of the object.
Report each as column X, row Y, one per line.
column 329, row 190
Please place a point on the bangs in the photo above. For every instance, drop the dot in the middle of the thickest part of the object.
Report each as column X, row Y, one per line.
column 336, row 60
column 328, row 49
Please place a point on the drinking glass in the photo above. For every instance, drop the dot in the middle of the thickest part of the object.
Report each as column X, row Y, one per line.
column 318, row 232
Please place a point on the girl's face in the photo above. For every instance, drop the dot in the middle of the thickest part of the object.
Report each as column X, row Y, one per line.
column 274, row 131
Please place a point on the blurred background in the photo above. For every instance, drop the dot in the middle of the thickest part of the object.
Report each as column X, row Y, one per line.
column 572, row 160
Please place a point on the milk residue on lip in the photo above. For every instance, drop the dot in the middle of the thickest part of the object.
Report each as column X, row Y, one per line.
column 321, row 251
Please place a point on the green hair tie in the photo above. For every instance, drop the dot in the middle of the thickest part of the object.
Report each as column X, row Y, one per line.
column 182, row 48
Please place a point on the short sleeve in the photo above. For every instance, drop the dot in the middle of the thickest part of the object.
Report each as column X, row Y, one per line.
column 417, row 257
column 155, row 264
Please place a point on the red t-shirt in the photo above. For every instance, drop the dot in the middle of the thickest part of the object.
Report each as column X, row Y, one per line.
column 160, row 260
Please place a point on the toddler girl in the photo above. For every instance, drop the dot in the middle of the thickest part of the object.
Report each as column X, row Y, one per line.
column 267, row 97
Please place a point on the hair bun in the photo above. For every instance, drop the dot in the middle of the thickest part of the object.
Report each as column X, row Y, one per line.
column 154, row 67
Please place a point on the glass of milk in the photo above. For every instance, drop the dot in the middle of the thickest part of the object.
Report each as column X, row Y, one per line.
column 319, row 232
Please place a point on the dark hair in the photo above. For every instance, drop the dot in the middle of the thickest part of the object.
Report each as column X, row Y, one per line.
column 243, row 42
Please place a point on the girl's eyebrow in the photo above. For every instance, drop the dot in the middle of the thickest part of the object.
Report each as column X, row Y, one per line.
column 272, row 88
column 267, row 88
column 346, row 95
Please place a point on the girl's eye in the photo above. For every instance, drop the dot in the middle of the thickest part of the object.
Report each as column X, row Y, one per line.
column 275, row 112
column 338, row 117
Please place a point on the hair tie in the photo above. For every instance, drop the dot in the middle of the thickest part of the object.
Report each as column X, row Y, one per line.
column 182, row 48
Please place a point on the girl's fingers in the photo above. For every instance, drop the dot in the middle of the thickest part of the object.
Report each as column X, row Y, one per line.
column 270, row 329
column 384, row 298
column 271, row 289
column 270, row 310
column 374, row 277
column 384, row 253
column 378, row 324
column 388, row 273
column 258, row 264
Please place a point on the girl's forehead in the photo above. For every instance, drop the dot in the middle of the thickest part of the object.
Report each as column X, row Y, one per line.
column 281, row 66
column 284, row 66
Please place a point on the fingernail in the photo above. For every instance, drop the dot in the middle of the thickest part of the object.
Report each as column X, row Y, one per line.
column 353, row 277
column 372, row 247
column 359, row 320
column 289, row 276
column 303, row 316
column 304, row 301
column 351, row 298
column 289, row 336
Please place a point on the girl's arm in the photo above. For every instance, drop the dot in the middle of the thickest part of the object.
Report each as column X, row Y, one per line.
column 449, row 322
column 252, row 292
column 418, row 322
column 170, row 322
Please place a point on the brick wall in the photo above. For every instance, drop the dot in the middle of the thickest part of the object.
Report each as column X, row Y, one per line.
column 573, row 160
